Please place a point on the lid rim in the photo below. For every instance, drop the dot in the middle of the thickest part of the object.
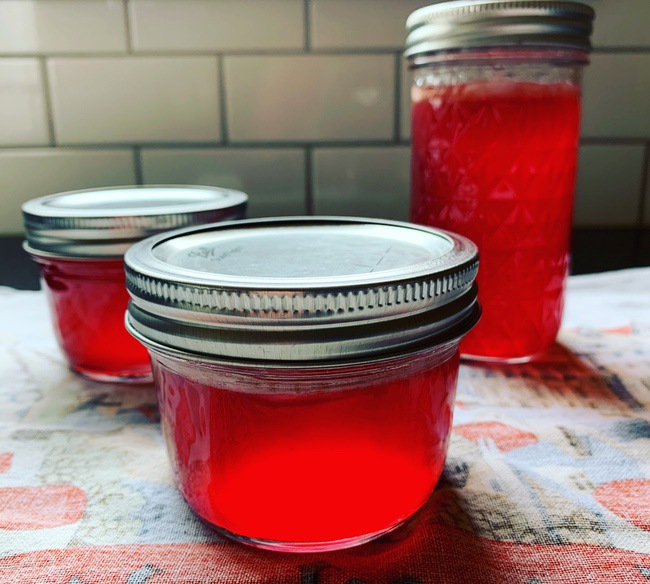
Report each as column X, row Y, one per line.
column 157, row 269
column 93, row 227
column 461, row 24
column 37, row 207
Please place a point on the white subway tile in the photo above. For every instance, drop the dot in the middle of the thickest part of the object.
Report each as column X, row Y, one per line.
column 29, row 173
column 217, row 25
column 361, row 23
column 608, row 186
column 135, row 99
column 369, row 181
column 310, row 97
column 622, row 23
column 23, row 119
column 58, row 26
column 615, row 98
column 274, row 179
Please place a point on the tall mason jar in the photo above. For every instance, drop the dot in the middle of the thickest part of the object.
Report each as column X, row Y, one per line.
column 495, row 123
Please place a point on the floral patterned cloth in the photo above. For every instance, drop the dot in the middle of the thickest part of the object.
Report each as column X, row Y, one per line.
column 547, row 478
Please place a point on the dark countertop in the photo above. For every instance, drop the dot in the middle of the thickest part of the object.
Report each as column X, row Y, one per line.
column 594, row 250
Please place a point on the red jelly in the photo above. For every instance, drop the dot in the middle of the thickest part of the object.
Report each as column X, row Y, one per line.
column 87, row 301
column 79, row 240
column 293, row 460
column 506, row 182
column 306, row 370
column 495, row 137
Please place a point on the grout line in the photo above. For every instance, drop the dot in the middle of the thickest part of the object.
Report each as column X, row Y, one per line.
column 387, row 50
column 223, row 108
column 398, row 97
column 206, row 53
column 309, row 188
column 64, row 147
column 307, row 25
column 612, row 140
column 606, row 227
column 137, row 165
column 127, row 27
column 277, row 145
column 621, row 49
column 217, row 145
column 47, row 98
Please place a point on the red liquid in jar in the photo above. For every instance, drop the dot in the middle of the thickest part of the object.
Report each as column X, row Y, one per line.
column 318, row 467
column 496, row 162
column 88, row 299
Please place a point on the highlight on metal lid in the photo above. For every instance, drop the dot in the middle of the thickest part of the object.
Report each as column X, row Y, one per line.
column 105, row 222
column 465, row 24
column 301, row 289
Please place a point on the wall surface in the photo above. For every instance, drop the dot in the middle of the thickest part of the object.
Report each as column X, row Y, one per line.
column 301, row 103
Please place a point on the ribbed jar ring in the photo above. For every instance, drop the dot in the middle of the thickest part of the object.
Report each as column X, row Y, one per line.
column 472, row 24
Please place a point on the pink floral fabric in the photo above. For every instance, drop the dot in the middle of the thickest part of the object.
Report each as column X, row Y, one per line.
column 547, row 478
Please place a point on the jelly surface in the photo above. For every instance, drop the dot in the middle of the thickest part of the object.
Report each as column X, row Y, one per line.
column 88, row 300
column 495, row 161
column 308, row 468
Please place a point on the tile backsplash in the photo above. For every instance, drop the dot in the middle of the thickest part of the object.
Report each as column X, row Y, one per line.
column 304, row 104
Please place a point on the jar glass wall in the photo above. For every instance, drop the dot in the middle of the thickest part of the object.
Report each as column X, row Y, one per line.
column 495, row 137
column 309, row 459
column 88, row 299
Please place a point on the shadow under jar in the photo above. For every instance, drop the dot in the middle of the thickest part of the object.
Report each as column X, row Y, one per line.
column 495, row 124
column 79, row 239
column 306, row 370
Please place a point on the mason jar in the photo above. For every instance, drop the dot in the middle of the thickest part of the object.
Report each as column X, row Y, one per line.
column 495, row 125
column 306, row 370
column 79, row 239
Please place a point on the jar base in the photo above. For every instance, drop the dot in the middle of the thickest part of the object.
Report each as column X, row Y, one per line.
column 301, row 547
column 117, row 377
column 500, row 360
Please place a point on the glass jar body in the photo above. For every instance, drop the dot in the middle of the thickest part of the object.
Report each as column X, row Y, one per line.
column 307, row 459
column 495, row 137
column 88, row 299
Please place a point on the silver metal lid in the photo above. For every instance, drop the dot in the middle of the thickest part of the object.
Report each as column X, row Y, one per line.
column 103, row 223
column 463, row 24
column 301, row 288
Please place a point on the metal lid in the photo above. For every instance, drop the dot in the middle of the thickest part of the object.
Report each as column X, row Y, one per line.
column 301, row 288
column 465, row 24
column 105, row 222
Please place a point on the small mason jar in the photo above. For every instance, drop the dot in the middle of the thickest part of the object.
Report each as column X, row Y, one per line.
column 306, row 370
column 79, row 239
column 495, row 124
